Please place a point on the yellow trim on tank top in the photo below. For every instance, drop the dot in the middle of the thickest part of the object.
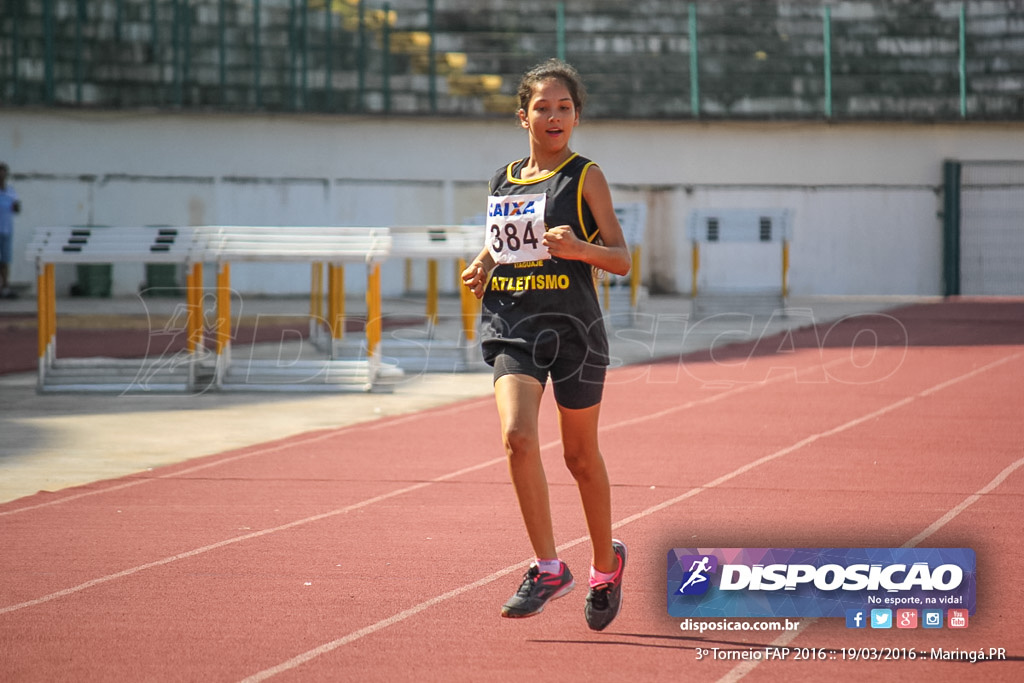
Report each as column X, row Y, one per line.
column 531, row 181
column 579, row 203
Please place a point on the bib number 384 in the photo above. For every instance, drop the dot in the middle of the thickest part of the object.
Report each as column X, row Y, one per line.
column 515, row 228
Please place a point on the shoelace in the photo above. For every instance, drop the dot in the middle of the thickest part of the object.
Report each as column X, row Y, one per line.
column 529, row 579
column 599, row 595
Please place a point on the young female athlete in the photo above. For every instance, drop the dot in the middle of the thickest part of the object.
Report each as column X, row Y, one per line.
column 550, row 224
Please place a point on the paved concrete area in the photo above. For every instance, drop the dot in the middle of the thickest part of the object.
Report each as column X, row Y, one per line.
column 54, row 441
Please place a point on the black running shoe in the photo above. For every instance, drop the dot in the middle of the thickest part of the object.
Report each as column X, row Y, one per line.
column 605, row 599
column 536, row 590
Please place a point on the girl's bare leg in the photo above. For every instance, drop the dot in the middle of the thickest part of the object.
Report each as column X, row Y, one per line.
column 518, row 398
column 583, row 458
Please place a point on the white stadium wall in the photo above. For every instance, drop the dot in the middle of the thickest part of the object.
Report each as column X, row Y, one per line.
column 866, row 197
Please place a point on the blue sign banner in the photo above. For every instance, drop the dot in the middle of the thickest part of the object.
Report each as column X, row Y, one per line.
column 817, row 582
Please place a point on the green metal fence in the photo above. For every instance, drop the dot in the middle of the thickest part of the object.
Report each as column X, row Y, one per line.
column 644, row 59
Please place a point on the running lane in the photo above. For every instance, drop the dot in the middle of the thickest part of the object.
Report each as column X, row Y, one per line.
column 383, row 551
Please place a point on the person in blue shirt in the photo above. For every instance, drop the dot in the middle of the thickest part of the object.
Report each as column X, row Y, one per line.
column 9, row 205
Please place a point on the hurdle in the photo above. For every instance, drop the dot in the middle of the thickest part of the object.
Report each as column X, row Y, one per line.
column 771, row 227
column 412, row 348
column 90, row 245
column 618, row 299
column 425, row 350
column 319, row 246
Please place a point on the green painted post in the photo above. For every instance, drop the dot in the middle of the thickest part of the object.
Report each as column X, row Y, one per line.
column 153, row 32
column 386, row 47
column 222, row 48
column 694, row 71
column 963, row 60
column 328, row 58
column 292, row 86
column 186, row 47
column 256, row 75
column 432, row 57
column 361, row 58
column 80, row 17
column 176, row 51
column 48, row 51
column 154, row 40
column 560, row 29
column 951, row 227
column 304, row 55
column 15, row 53
column 827, row 38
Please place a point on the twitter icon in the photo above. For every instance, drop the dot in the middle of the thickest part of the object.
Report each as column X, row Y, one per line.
column 881, row 618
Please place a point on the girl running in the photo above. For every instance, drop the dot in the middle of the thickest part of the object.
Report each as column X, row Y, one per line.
column 550, row 224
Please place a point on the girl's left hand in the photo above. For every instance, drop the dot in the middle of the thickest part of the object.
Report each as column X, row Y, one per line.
column 562, row 242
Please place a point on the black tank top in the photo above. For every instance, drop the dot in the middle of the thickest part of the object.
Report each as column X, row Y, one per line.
column 548, row 308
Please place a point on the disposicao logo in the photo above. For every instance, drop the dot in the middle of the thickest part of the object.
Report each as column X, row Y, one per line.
column 818, row 582
column 697, row 579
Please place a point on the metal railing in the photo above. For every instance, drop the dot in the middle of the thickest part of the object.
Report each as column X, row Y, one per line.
column 644, row 59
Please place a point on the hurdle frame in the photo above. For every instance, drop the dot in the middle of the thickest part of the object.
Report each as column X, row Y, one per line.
column 740, row 225
column 632, row 218
column 321, row 247
column 433, row 352
column 108, row 245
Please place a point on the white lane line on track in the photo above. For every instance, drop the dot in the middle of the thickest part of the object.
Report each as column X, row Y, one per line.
column 289, row 442
column 964, row 504
column 743, row 668
column 325, row 648
column 316, row 518
column 237, row 539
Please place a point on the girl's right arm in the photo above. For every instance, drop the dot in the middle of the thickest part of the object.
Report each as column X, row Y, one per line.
column 474, row 277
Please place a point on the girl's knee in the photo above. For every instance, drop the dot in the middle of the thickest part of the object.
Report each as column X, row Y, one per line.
column 582, row 463
column 519, row 441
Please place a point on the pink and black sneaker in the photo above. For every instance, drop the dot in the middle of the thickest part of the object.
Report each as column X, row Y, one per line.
column 605, row 599
column 536, row 590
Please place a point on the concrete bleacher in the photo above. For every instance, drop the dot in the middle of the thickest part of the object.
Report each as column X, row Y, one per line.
column 755, row 59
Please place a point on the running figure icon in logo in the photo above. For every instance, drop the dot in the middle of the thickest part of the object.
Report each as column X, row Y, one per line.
column 696, row 581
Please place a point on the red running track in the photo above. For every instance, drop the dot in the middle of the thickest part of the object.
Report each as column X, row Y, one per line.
column 383, row 551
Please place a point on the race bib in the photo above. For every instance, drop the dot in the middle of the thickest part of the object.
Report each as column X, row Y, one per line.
column 515, row 228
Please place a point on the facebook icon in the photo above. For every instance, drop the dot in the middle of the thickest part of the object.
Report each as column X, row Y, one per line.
column 856, row 618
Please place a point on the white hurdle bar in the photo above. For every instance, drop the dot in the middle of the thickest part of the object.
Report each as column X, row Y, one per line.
column 433, row 243
column 632, row 218
column 333, row 246
column 768, row 226
column 107, row 245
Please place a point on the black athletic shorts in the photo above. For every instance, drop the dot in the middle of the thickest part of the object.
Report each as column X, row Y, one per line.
column 576, row 384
